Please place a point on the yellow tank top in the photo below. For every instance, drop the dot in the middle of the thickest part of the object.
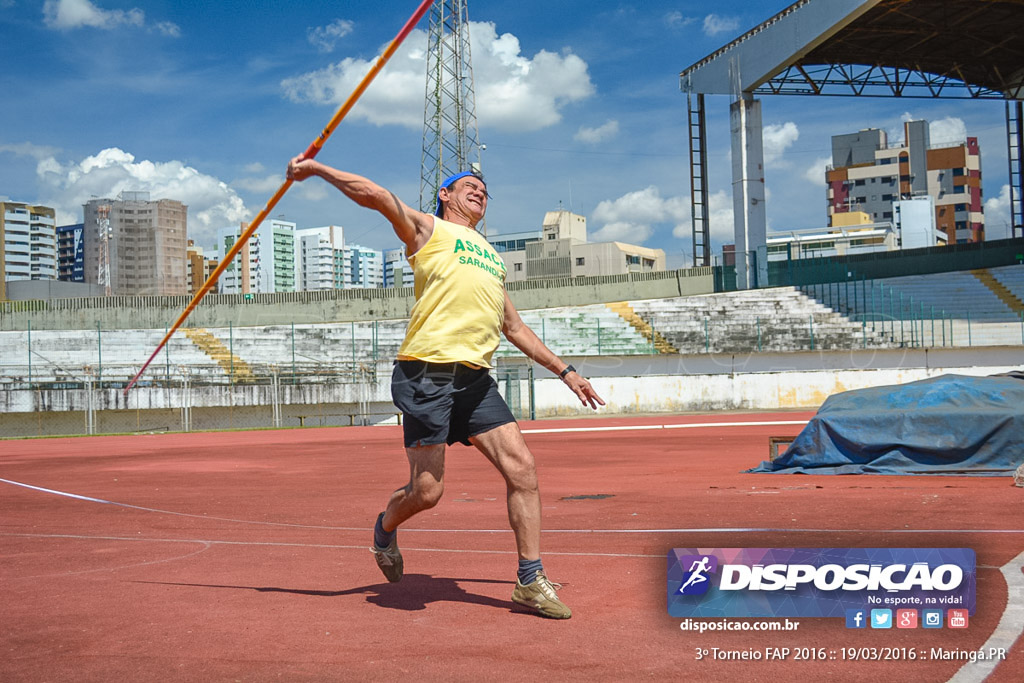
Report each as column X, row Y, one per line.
column 460, row 298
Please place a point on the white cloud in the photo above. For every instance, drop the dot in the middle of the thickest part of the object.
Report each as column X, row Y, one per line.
column 37, row 152
column 65, row 15
column 777, row 138
column 324, row 38
column 513, row 92
column 632, row 217
column 714, row 24
column 211, row 203
column 267, row 185
column 950, row 130
column 395, row 97
column 169, row 28
column 676, row 20
column 998, row 206
column 997, row 216
column 719, row 219
column 592, row 136
column 815, row 173
column 894, row 134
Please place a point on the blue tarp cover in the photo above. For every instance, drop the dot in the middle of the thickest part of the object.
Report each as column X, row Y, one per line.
column 952, row 424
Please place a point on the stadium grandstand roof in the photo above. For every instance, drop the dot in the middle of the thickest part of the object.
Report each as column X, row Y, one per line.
column 882, row 48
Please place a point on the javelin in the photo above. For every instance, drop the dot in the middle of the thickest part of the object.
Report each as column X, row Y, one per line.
column 310, row 152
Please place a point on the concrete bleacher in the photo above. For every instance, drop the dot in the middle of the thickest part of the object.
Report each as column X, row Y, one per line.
column 581, row 331
column 973, row 308
column 959, row 295
column 77, row 355
column 1011, row 277
column 967, row 312
column 322, row 344
column 772, row 319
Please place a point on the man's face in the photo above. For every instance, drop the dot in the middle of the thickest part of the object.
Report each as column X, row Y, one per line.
column 468, row 197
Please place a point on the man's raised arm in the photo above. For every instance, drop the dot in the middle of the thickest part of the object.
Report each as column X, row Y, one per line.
column 412, row 227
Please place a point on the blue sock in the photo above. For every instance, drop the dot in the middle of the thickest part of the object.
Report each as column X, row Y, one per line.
column 528, row 570
column 381, row 538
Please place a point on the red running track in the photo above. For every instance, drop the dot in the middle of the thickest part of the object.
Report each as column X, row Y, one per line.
column 243, row 556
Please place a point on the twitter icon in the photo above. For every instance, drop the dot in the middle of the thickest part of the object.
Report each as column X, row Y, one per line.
column 881, row 618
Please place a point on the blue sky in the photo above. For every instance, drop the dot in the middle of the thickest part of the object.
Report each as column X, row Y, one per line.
column 577, row 102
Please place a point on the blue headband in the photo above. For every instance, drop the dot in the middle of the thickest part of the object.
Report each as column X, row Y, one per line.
column 447, row 183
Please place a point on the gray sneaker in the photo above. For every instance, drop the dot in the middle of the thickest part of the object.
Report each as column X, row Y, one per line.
column 539, row 595
column 389, row 560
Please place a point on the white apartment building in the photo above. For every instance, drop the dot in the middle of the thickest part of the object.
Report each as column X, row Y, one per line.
column 397, row 270
column 265, row 264
column 320, row 258
column 364, row 267
column 28, row 238
column 324, row 261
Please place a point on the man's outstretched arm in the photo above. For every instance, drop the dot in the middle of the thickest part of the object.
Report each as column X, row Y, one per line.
column 412, row 227
column 524, row 339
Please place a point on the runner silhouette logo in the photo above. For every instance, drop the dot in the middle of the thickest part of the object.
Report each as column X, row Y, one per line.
column 696, row 580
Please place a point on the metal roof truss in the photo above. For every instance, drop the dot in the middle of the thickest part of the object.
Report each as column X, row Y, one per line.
column 873, row 81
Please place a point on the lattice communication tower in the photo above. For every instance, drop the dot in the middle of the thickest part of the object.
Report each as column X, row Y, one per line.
column 450, row 136
column 103, row 233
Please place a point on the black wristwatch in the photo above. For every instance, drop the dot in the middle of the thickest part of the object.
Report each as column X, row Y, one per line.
column 568, row 369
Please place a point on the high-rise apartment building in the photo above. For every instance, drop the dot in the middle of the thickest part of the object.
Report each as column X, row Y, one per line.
column 199, row 267
column 398, row 271
column 869, row 175
column 135, row 246
column 71, row 252
column 28, row 240
column 364, row 267
column 320, row 258
column 266, row 263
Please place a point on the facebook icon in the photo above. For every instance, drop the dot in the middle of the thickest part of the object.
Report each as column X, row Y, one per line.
column 856, row 618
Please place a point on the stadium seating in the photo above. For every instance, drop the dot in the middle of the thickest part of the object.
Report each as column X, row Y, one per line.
column 973, row 308
column 776, row 319
column 967, row 311
column 582, row 331
column 1011, row 277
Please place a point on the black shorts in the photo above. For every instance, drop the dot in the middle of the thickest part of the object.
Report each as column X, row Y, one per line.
column 446, row 402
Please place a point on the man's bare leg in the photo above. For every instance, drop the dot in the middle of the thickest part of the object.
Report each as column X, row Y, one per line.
column 505, row 447
column 426, row 484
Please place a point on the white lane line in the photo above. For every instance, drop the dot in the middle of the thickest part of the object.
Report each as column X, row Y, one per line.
column 176, row 514
column 365, row 547
column 1008, row 630
column 56, row 493
column 691, row 425
column 683, row 530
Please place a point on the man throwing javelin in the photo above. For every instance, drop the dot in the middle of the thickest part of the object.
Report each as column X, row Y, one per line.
column 441, row 381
